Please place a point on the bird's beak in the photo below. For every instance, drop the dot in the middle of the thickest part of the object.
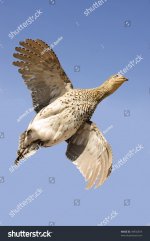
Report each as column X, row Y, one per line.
column 123, row 79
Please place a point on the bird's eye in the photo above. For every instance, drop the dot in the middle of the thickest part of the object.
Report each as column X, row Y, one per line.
column 115, row 76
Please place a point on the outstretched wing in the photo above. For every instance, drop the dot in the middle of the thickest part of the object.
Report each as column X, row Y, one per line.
column 42, row 72
column 91, row 153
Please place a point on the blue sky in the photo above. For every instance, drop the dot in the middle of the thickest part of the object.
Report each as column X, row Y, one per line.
column 101, row 44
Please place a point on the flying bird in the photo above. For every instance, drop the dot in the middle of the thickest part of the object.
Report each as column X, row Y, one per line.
column 63, row 113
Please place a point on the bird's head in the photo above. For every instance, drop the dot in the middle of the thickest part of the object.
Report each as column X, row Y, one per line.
column 112, row 84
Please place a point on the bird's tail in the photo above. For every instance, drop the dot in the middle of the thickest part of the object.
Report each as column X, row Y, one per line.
column 26, row 147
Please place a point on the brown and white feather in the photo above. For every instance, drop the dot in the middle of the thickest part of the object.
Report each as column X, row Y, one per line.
column 42, row 72
column 91, row 153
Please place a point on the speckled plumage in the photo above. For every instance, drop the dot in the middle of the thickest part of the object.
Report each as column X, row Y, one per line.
column 64, row 113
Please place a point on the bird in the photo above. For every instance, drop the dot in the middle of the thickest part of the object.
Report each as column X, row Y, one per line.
column 63, row 113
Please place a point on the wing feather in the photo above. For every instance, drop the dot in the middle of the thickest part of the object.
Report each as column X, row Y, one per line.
column 42, row 72
column 91, row 153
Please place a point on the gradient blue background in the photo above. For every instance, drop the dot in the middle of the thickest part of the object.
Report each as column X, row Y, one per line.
column 101, row 45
